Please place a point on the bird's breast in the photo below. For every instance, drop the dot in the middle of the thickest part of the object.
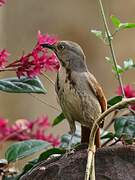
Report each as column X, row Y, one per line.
column 76, row 99
column 68, row 96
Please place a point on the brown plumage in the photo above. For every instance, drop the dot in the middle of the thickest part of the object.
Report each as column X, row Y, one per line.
column 80, row 95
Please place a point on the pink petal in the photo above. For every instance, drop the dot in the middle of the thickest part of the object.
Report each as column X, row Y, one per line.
column 46, row 39
column 43, row 122
column 129, row 91
column 3, row 57
column 2, row 2
column 3, row 122
column 52, row 63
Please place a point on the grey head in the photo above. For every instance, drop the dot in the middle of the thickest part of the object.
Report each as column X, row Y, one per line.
column 70, row 55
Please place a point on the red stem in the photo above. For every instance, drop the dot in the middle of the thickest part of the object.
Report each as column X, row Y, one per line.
column 11, row 64
column 8, row 69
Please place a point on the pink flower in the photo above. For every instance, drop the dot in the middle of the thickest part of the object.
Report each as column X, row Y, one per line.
column 4, row 130
column 129, row 93
column 35, row 62
column 46, row 39
column 52, row 63
column 54, row 141
column 24, row 129
column 43, row 122
column 39, row 127
column 20, row 125
column 2, row 2
column 3, row 58
column 49, row 138
column 3, row 122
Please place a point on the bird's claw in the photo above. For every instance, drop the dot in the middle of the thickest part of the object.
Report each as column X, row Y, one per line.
column 68, row 152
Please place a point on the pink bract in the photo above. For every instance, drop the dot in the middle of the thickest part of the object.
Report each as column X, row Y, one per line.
column 3, row 57
column 46, row 39
column 2, row 2
column 52, row 63
column 129, row 93
column 35, row 62
column 24, row 129
column 3, row 122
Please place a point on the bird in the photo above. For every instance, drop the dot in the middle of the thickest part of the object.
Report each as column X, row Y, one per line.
column 79, row 94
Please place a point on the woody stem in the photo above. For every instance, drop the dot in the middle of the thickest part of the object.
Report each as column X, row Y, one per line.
column 109, row 37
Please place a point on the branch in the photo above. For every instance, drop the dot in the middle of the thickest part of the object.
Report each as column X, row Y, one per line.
column 111, row 121
column 91, row 154
column 44, row 102
column 109, row 37
column 121, row 104
column 49, row 79
column 8, row 69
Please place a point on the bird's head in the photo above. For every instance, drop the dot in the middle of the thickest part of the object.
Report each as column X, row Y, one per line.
column 70, row 55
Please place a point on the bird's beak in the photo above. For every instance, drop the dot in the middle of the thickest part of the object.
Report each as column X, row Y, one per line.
column 52, row 47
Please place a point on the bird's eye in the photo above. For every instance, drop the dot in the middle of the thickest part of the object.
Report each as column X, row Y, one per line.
column 61, row 47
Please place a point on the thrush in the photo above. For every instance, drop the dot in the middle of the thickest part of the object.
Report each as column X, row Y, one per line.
column 80, row 95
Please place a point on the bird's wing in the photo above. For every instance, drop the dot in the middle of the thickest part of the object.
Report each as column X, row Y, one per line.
column 97, row 90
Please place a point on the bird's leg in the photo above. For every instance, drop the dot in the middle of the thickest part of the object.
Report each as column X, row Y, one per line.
column 85, row 134
column 72, row 132
column 70, row 150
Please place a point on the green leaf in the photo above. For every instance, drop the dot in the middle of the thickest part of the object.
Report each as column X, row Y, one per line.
column 43, row 156
column 109, row 60
column 115, row 21
column 107, row 135
column 125, row 126
column 128, row 64
column 101, row 35
column 27, row 167
column 50, row 152
column 126, row 25
column 66, row 138
column 114, row 100
column 98, row 34
column 22, row 85
column 119, row 69
column 58, row 119
column 24, row 148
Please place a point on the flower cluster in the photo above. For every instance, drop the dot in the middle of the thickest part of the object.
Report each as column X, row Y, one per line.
column 46, row 39
column 37, row 61
column 129, row 93
column 24, row 129
column 3, row 57
column 2, row 2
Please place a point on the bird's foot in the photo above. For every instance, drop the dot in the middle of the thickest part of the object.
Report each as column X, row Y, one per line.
column 68, row 152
